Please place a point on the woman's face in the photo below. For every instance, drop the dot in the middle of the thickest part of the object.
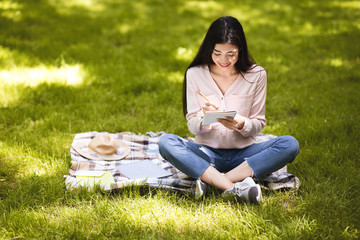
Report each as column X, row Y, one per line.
column 225, row 55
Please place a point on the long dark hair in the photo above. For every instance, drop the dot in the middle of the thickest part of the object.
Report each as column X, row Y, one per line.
column 223, row 30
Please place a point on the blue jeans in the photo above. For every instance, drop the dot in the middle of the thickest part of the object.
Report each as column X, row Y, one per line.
column 263, row 158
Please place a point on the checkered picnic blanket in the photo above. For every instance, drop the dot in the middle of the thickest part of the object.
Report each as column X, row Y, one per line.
column 145, row 147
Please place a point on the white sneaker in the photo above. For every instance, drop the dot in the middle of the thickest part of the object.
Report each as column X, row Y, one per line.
column 201, row 189
column 247, row 191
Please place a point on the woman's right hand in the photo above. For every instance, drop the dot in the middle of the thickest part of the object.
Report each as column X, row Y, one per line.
column 209, row 107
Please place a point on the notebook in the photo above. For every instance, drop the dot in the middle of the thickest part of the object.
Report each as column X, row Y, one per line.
column 142, row 169
column 211, row 117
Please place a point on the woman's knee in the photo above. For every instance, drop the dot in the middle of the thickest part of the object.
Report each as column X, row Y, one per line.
column 167, row 140
column 292, row 145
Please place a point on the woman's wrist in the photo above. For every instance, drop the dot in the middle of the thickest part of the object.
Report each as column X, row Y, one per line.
column 240, row 125
column 240, row 122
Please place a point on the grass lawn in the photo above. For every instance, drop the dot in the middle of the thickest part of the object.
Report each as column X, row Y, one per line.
column 113, row 65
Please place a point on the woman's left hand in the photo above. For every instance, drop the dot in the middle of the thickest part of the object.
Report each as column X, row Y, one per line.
column 235, row 123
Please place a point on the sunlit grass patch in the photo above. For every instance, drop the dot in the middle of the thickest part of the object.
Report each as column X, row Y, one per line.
column 14, row 79
column 347, row 4
column 155, row 216
column 11, row 10
column 336, row 62
column 90, row 5
column 10, row 58
column 207, row 8
column 66, row 75
column 184, row 54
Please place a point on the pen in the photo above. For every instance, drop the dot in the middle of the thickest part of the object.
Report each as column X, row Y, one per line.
column 208, row 100
column 204, row 96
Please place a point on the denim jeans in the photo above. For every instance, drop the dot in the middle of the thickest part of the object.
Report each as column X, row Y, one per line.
column 263, row 158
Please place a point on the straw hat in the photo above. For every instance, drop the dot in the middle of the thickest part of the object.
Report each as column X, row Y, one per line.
column 103, row 147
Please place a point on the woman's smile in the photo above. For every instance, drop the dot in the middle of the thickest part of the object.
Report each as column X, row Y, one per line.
column 224, row 65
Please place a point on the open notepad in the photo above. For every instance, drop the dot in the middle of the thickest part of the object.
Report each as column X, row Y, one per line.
column 143, row 169
column 211, row 117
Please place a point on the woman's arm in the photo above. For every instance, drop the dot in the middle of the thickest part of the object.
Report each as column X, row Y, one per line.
column 256, row 120
column 194, row 108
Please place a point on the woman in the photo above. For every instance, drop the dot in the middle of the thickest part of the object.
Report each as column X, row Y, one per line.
column 222, row 77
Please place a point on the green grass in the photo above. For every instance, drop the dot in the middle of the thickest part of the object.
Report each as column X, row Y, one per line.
column 114, row 65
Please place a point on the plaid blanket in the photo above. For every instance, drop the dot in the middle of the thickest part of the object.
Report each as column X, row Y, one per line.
column 145, row 147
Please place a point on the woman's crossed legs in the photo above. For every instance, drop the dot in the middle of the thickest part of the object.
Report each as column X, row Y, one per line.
column 209, row 164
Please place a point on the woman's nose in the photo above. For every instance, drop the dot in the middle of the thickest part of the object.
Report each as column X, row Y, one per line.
column 224, row 59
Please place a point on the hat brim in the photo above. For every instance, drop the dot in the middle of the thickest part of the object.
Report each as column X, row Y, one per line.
column 122, row 151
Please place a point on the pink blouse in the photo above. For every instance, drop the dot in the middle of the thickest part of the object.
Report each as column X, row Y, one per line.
column 246, row 95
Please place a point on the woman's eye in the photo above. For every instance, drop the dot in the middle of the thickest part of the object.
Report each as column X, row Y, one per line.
column 216, row 54
column 231, row 55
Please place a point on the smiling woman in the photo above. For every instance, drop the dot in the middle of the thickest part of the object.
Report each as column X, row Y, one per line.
column 224, row 153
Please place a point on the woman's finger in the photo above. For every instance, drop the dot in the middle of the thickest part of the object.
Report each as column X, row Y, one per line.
column 209, row 104
column 208, row 108
column 227, row 123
